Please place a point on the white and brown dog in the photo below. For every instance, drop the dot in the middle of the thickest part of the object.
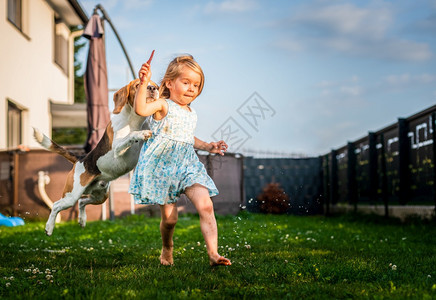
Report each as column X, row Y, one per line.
column 116, row 154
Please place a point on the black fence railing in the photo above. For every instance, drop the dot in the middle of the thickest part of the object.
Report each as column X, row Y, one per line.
column 393, row 166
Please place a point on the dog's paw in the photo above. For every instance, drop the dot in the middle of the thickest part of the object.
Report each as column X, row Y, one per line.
column 48, row 230
column 147, row 134
column 82, row 219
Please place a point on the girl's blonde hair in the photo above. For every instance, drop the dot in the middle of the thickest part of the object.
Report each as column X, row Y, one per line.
column 174, row 70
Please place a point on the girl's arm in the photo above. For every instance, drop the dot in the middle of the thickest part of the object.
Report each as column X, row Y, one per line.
column 141, row 106
column 212, row 147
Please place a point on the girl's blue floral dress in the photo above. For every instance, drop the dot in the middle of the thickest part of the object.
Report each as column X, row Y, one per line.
column 168, row 163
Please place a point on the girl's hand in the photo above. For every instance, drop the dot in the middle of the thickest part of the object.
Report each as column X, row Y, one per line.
column 218, row 147
column 145, row 73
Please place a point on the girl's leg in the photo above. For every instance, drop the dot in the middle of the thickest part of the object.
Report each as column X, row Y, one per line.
column 167, row 224
column 199, row 196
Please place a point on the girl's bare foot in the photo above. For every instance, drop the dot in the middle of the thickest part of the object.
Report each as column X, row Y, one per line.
column 219, row 261
column 166, row 256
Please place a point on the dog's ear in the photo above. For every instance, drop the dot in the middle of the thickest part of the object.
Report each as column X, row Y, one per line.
column 122, row 96
column 132, row 89
column 120, row 99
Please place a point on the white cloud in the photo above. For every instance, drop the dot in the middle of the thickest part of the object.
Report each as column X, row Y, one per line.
column 351, row 90
column 230, row 6
column 137, row 4
column 346, row 19
column 355, row 31
column 407, row 79
column 347, row 87
column 290, row 45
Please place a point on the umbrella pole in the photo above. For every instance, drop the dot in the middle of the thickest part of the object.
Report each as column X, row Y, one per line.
column 106, row 17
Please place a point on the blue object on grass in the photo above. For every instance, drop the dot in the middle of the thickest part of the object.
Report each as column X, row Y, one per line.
column 10, row 221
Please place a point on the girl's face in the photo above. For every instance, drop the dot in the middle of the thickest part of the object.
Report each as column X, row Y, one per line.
column 184, row 89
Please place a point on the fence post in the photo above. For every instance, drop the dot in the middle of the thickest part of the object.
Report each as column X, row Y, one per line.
column 373, row 178
column 404, row 146
column 384, row 177
column 326, row 183
column 333, row 178
column 351, row 175
column 433, row 123
column 15, row 180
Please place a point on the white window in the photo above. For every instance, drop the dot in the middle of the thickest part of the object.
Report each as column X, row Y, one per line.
column 15, row 13
column 18, row 15
column 61, row 45
column 15, row 125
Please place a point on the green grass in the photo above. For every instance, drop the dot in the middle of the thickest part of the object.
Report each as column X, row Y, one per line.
column 274, row 257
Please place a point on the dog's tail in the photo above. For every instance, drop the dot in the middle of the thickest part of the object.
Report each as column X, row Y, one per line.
column 52, row 146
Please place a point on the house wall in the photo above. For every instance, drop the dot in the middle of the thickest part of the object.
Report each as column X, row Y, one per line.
column 29, row 77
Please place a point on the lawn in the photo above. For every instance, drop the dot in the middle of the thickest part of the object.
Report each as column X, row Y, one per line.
column 274, row 257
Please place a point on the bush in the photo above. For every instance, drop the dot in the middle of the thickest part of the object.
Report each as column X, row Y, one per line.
column 273, row 199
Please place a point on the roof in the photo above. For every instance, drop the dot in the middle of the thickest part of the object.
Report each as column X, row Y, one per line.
column 69, row 11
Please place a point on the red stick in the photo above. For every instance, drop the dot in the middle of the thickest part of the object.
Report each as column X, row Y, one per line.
column 151, row 57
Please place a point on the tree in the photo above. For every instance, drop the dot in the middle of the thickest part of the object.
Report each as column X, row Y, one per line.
column 273, row 199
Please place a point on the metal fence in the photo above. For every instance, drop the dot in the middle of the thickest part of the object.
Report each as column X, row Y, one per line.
column 393, row 166
column 301, row 179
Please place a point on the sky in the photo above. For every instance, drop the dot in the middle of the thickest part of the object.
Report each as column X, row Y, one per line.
column 293, row 78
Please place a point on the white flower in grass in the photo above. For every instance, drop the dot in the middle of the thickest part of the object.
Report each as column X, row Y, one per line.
column 394, row 267
column 198, row 244
column 247, row 246
column 8, row 284
column 428, row 276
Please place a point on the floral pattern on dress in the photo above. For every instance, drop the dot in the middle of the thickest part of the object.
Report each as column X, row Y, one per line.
column 167, row 163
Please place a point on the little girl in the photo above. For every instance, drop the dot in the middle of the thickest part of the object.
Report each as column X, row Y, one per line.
column 168, row 165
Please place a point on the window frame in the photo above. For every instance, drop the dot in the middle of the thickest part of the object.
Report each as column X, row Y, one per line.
column 61, row 47
column 14, row 136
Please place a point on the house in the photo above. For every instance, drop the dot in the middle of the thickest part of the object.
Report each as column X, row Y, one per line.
column 37, row 68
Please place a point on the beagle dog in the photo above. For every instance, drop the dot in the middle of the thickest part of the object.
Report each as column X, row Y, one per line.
column 116, row 154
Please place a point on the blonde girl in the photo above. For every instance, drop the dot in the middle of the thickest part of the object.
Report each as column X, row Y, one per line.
column 168, row 165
